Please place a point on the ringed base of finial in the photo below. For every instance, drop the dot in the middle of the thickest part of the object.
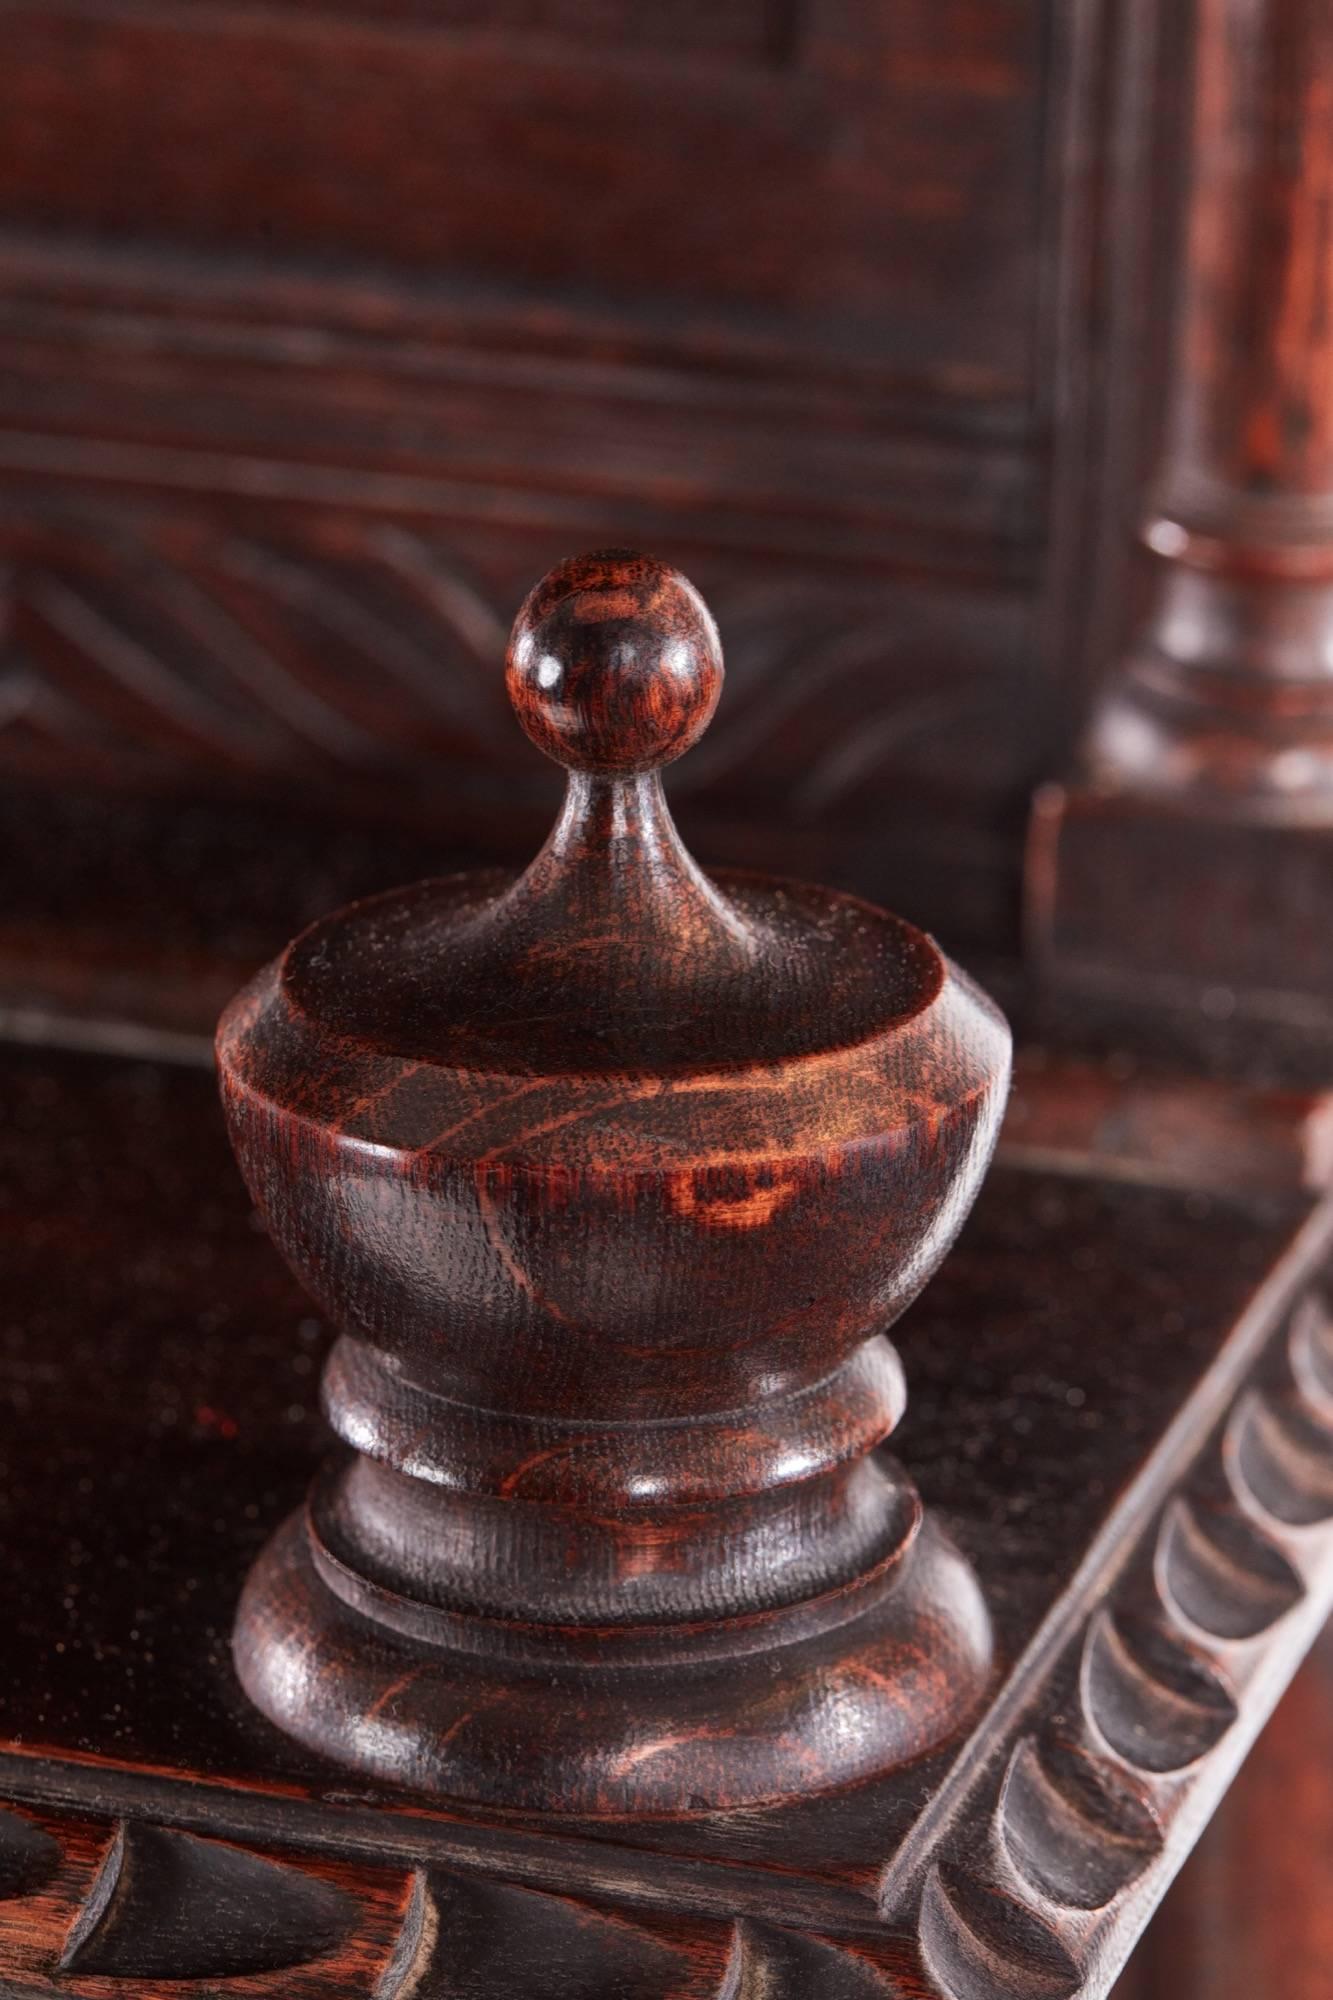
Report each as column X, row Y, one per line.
column 628, row 1722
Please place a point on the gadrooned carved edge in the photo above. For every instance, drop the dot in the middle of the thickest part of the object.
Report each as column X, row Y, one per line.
column 1038, row 1876
column 138, row 1907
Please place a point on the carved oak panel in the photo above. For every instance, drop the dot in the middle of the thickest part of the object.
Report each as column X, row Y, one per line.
column 829, row 196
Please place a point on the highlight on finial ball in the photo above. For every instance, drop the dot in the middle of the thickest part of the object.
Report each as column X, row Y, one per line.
column 614, row 663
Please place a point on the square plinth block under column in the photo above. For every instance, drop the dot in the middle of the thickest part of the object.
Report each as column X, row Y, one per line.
column 1234, row 926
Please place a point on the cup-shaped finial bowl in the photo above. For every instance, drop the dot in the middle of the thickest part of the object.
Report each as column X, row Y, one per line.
column 625, row 1244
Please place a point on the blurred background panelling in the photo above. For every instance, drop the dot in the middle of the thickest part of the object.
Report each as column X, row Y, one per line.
column 327, row 325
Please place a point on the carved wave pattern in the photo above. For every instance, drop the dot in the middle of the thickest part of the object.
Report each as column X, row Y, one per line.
column 366, row 649
column 217, row 650
column 1022, row 1900
column 140, row 1908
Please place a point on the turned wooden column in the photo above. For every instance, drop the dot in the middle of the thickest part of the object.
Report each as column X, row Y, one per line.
column 1226, row 688
column 1213, row 732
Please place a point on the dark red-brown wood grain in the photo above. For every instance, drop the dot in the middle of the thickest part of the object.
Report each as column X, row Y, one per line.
column 158, row 1388
column 1211, row 740
column 301, row 379
column 614, row 1176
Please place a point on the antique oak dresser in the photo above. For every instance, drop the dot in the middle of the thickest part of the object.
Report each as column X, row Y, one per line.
column 636, row 1427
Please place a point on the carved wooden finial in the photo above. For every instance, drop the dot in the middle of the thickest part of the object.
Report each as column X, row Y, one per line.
column 613, row 1177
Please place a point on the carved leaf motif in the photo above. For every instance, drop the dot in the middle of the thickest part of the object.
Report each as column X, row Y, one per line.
column 495, row 1941
column 169, row 1905
column 981, row 1945
column 1074, row 1829
column 1217, row 1571
column 28, row 1857
column 777, row 1964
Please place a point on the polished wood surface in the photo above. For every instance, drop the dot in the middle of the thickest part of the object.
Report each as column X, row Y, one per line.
column 1105, row 1376
column 614, row 1178
column 960, row 352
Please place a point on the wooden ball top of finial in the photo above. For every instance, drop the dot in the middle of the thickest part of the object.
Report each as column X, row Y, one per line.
column 614, row 665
